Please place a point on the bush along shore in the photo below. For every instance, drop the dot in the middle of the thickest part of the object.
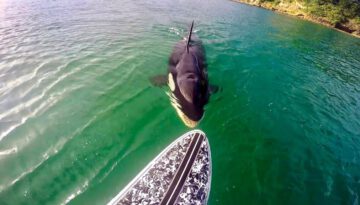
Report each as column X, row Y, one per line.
column 343, row 15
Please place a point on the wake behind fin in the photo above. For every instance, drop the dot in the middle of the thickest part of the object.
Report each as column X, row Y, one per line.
column 189, row 37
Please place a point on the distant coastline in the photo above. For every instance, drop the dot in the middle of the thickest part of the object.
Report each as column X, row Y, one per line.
column 295, row 8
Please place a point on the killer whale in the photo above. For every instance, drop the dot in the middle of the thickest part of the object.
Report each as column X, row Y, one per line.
column 187, row 79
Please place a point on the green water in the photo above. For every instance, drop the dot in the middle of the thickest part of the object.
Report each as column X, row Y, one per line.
column 79, row 118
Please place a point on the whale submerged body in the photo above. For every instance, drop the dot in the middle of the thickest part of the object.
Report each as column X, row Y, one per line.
column 188, row 80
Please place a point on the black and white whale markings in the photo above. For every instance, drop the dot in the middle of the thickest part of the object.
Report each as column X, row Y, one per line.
column 187, row 79
column 181, row 174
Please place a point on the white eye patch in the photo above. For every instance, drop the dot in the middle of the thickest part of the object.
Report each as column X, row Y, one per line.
column 171, row 82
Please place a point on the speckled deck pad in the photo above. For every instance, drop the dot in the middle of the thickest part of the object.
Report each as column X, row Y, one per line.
column 197, row 186
column 151, row 187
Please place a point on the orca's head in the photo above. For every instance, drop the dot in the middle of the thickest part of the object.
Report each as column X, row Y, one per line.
column 189, row 92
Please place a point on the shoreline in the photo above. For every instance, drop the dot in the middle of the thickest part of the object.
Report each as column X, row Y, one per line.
column 295, row 9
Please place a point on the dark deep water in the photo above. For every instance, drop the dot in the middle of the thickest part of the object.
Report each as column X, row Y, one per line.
column 79, row 118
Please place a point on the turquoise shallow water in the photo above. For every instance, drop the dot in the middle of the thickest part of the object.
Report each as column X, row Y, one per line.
column 79, row 118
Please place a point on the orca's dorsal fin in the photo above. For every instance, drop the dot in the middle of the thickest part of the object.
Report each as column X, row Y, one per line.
column 189, row 37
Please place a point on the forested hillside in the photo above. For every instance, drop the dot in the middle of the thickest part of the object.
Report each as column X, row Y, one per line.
column 341, row 14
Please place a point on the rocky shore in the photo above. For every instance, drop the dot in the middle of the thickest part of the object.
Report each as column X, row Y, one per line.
column 297, row 9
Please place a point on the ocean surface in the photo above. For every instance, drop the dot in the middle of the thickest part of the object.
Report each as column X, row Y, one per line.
column 79, row 117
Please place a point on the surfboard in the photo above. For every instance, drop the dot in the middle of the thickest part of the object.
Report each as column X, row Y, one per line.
column 180, row 174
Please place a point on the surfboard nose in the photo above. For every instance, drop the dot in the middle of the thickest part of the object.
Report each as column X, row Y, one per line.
column 180, row 174
column 178, row 184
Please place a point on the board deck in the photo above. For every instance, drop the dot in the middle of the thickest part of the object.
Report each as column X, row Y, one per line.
column 180, row 174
